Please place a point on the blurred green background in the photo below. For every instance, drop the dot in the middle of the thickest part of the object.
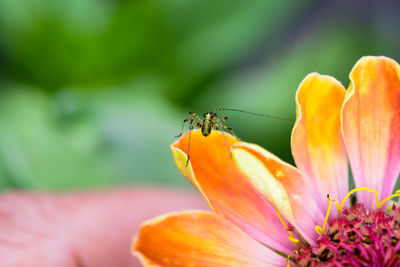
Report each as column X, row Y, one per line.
column 92, row 92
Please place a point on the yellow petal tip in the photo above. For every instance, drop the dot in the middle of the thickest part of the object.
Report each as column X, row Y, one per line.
column 181, row 161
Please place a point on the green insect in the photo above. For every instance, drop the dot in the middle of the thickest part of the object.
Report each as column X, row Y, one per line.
column 210, row 121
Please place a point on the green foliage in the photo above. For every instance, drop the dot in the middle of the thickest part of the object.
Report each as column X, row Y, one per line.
column 56, row 44
column 92, row 93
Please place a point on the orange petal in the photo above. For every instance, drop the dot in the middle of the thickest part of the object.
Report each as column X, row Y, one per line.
column 317, row 145
column 282, row 185
column 199, row 239
column 215, row 174
column 371, row 125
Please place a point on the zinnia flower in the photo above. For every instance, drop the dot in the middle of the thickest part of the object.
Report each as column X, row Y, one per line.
column 269, row 213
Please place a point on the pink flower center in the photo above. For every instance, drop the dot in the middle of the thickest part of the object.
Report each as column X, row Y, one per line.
column 357, row 237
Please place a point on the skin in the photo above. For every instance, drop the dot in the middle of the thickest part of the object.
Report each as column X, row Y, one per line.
column 81, row 229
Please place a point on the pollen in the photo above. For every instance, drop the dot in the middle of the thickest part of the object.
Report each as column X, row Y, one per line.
column 279, row 174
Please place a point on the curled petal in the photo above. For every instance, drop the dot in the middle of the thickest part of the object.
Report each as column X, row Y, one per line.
column 199, row 239
column 215, row 174
column 282, row 185
column 371, row 125
column 317, row 145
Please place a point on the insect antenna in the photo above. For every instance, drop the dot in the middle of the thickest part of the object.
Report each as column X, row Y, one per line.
column 190, row 136
column 254, row 113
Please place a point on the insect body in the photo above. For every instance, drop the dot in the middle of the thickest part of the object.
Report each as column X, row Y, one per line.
column 210, row 121
column 208, row 124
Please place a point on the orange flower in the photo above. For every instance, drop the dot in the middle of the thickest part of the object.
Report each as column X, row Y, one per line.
column 269, row 213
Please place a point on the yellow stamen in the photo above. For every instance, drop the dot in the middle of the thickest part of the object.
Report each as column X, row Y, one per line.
column 288, row 258
column 337, row 204
column 291, row 237
column 317, row 227
column 396, row 194
column 320, row 230
column 376, row 196
column 378, row 204
column 340, row 207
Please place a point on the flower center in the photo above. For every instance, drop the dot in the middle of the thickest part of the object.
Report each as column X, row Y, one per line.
column 357, row 237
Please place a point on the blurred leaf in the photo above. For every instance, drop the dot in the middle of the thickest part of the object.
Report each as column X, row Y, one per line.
column 84, row 139
column 136, row 130
column 56, row 44
column 35, row 151
column 270, row 87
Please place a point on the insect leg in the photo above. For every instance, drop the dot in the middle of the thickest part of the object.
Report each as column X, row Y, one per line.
column 197, row 124
column 190, row 135
column 226, row 140
column 220, row 120
column 195, row 115
column 230, row 129
column 223, row 118
column 183, row 126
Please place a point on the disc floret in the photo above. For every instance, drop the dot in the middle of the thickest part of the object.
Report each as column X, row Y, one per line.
column 357, row 237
